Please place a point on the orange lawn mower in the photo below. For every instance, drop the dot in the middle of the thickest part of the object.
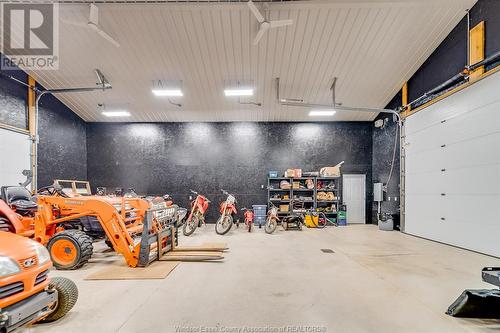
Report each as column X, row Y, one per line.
column 67, row 225
column 27, row 294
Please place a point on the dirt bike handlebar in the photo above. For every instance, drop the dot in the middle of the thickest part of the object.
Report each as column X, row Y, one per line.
column 227, row 193
column 194, row 192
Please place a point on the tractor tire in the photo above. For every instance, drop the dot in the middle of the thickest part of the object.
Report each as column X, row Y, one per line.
column 5, row 225
column 70, row 249
column 67, row 294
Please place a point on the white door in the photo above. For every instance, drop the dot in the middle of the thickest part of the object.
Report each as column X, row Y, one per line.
column 354, row 197
column 15, row 152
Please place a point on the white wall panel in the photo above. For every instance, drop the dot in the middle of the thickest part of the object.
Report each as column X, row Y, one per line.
column 453, row 169
column 15, row 153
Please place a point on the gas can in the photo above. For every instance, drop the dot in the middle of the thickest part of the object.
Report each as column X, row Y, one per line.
column 311, row 220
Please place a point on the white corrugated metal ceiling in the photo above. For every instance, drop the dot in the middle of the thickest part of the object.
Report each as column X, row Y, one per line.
column 372, row 46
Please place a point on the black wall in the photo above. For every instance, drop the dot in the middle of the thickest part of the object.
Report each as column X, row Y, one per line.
column 13, row 97
column 383, row 150
column 450, row 57
column 62, row 149
column 174, row 157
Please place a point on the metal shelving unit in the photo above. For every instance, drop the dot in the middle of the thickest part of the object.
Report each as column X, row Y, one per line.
column 273, row 189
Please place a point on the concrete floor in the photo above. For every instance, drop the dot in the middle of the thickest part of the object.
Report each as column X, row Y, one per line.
column 374, row 282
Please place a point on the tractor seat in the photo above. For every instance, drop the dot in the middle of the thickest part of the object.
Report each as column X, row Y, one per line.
column 20, row 198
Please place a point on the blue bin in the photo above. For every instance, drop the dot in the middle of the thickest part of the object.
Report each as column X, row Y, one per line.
column 259, row 210
column 259, row 220
column 273, row 174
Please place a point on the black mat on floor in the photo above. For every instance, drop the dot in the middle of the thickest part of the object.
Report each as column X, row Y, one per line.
column 480, row 303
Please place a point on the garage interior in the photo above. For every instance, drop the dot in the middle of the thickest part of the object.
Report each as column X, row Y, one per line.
column 239, row 166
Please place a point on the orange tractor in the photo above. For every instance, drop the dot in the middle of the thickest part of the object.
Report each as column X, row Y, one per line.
column 27, row 294
column 67, row 222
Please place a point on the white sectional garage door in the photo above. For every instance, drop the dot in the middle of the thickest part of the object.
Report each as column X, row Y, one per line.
column 453, row 169
column 14, row 157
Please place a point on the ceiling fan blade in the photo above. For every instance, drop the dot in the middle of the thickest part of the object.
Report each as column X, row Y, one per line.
column 262, row 30
column 104, row 35
column 280, row 23
column 108, row 38
column 94, row 14
column 255, row 11
column 74, row 23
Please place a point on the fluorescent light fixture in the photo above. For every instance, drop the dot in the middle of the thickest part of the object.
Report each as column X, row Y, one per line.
column 321, row 113
column 116, row 113
column 238, row 92
column 167, row 92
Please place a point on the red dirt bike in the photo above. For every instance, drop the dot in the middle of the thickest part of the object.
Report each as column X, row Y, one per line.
column 227, row 210
column 197, row 215
column 248, row 214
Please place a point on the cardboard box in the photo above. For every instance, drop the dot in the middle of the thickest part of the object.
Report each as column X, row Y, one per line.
column 284, row 208
column 296, row 185
column 333, row 171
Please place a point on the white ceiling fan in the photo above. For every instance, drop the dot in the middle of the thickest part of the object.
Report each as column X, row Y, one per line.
column 265, row 24
column 93, row 23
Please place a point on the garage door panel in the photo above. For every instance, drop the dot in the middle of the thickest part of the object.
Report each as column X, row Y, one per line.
column 434, row 115
column 424, row 161
column 459, row 129
column 465, row 126
column 427, row 221
column 424, row 140
column 481, row 151
column 475, row 180
column 423, row 216
column 477, row 96
column 481, row 210
column 426, row 183
column 466, row 170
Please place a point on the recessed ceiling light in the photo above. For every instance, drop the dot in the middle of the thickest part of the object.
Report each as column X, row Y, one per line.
column 116, row 113
column 321, row 113
column 238, row 92
column 167, row 92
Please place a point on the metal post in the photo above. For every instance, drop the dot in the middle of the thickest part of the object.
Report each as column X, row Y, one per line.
column 402, row 170
column 468, row 38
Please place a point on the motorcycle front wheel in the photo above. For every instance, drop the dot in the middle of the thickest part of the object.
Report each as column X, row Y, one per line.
column 190, row 225
column 224, row 224
column 270, row 226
